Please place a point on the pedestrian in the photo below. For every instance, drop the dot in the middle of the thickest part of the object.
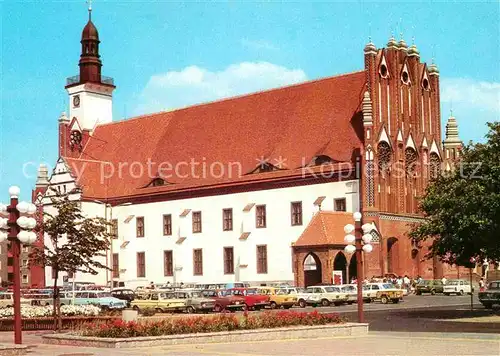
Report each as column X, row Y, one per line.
column 443, row 280
column 482, row 285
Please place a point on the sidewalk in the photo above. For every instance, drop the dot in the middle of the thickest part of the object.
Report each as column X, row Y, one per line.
column 376, row 343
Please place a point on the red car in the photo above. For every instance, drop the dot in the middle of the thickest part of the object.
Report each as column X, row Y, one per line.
column 223, row 301
column 253, row 300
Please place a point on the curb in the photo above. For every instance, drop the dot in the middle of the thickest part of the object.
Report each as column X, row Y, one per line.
column 301, row 332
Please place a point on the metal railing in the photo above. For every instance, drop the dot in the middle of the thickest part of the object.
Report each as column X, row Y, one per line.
column 76, row 79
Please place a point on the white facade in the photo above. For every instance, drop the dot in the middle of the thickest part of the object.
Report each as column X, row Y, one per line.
column 278, row 235
column 91, row 104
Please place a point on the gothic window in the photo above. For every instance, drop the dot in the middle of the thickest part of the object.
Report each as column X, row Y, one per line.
column 425, row 84
column 435, row 165
column 383, row 71
column 384, row 157
column 75, row 139
column 411, row 160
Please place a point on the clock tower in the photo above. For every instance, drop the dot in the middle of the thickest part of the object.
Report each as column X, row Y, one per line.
column 90, row 93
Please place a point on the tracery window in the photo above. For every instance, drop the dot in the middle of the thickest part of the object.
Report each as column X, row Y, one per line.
column 435, row 165
column 411, row 160
column 384, row 158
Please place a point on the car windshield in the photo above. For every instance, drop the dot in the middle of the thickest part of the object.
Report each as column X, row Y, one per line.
column 330, row 289
column 283, row 291
column 196, row 295
column 425, row 282
column 251, row 291
column 387, row 286
column 452, row 283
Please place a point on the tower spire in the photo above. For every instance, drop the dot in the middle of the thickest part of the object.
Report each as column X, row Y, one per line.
column 89, row 2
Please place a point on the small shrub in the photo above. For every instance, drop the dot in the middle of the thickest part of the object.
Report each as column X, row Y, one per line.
column 204, row 324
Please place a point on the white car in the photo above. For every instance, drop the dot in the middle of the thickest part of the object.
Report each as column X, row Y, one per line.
column 326, row 295
column 300, row 293
column 384, row 292
column 458, row 287
column 352, row 292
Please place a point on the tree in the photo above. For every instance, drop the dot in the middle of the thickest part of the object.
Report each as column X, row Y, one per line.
column 76, row 244
column 463, row 207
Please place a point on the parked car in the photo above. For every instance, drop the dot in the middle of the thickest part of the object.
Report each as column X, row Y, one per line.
column 383, row 292
column 7, row 300
column 253, row 300
column 195, row 301
column 352, row 292
column 278, row 297
column 459, row 287
column 325, row 295
column 431, row 286
column 159, row 301
column 301, row 294
column 491, row 295
column 103, row 299
column 125, row 294
column 224, row 302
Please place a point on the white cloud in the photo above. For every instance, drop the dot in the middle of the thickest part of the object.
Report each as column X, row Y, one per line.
column 464, row 91
column 193, row 84
column 474, row 103
column 258, row 44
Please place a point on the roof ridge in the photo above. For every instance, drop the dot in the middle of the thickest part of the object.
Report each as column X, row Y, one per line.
column 307, row 82
column 324, row 226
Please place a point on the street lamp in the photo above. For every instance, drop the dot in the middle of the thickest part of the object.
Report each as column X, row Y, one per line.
column 106, row 206
column 17, row 228
column 358, row 239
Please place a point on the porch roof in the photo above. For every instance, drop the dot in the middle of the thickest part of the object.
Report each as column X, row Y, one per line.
column 325, row 228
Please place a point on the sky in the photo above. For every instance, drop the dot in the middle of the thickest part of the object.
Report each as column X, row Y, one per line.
column 165, row 55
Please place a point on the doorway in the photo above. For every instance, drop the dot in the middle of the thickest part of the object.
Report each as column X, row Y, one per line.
column 340, row 264
column 312, row 270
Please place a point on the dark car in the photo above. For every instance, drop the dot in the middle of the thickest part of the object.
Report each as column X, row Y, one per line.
column 490, row 296
column 124, row 294
column 431, row 286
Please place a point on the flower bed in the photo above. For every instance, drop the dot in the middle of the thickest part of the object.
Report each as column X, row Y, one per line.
column 46, row 311
column 40, row 318
column 47, row 323
column 205, row 324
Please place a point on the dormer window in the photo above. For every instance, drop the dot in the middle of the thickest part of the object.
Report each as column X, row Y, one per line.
column 321, row 160
column 157, row 182
column 264, row 167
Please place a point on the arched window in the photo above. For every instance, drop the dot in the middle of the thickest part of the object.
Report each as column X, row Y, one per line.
column 384, row 158
column 435, row 165
column 410, row 161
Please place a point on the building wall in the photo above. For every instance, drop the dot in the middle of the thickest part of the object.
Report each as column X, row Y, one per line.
column 278, row 234
column 95, row 105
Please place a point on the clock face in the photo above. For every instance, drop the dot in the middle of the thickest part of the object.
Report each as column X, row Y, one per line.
column 76, row 101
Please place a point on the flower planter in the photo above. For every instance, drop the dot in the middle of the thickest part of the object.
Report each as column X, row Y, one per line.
column 47, row 323
column 294, row 332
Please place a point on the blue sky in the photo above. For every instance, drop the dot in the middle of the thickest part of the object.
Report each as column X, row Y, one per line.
column 171, row 54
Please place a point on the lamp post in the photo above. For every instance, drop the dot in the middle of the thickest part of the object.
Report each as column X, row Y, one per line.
column 110, row 280
column 358, row 243
column 17, row 229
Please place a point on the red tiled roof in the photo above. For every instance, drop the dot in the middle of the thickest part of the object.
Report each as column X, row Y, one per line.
column 325, row 228
column 291, row 125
